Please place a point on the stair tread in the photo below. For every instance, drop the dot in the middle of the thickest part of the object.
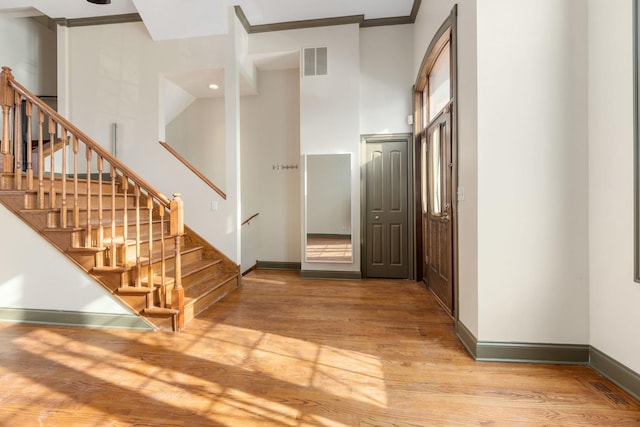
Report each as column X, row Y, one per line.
column 81, row 192
column 187, row 269
column 160, row 311
column 60, row 229
column 85, row 250
column 199, row 265
column 135, row 290
column 12, row 192
column 171, row 255
column 220, row 281
column 109, row 269
column 145, row 260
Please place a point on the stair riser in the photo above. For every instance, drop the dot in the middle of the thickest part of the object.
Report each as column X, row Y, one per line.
column 202, row 282
column 131, row 236
column 9, row 182
column 83, row 217
column 170, row 264
column 60, row 238
column 129, row 277
column 82, row 186
column 206, row 301
column 31, row 201
column 37, row 219
column 14, row 202
column 130, row 251
column 113, row 280
column 131, row 231
column 199, row 283
column 137, row 302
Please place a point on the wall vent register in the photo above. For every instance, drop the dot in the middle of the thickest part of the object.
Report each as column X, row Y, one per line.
column 314, row 61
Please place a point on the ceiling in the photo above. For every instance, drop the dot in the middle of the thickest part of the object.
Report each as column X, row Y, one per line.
column 172, row 19
column 189, row 18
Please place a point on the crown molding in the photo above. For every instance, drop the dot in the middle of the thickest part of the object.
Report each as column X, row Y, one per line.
column 252, row 29
column 99, row 20
column 326, row 22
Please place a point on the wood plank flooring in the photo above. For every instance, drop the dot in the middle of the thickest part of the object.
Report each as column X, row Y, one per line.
column 329, row 248
column 282, row 351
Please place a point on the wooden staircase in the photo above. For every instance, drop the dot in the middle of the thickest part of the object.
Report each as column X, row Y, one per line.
column 126, row 235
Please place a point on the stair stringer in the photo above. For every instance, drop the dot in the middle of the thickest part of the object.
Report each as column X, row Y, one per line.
column 62, row 239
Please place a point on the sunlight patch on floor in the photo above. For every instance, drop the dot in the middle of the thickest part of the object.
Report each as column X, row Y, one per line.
column 266, row 357
column 303, row 363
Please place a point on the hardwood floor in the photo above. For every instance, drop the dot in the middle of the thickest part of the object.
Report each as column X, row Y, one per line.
column 282, row 351
column 329, row 248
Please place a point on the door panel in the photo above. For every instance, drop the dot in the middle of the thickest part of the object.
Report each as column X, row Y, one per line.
column 376, row 181
column 376, row 244
column 437, row 227
column 386, row 182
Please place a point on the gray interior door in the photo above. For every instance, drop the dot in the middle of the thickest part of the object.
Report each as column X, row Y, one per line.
column 386, row 184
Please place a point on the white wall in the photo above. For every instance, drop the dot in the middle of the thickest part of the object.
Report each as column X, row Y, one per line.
column 31, row 55
column 176, row 100
column 49, row 286
column 431, row 15
column 614, row 296
column 114, row 74
column 386, row 78
column 329, row 105
column 532, row 171
column 198, row 134
column 270, row 127
column 29, row 49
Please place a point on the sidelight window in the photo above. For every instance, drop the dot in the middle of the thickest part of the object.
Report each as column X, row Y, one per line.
column 440, row 82
column 435, row 173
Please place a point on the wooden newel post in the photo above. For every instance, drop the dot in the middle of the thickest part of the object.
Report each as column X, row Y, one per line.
column 7, row 101
column 176, row 227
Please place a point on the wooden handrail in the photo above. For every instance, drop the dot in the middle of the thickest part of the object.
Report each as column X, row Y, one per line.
column 193, row 169
column 84, row 137
column 115, row 185
column 248, row 220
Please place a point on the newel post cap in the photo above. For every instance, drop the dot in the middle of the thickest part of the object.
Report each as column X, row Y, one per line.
column 176, row 223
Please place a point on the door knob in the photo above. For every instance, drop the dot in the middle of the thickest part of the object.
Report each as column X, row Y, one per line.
column 376, row 217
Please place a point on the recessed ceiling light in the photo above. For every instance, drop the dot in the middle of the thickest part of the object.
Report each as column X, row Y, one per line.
column 100, row 1
column 214, row 86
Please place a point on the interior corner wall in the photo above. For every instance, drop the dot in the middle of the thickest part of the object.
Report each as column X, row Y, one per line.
column 386, row 78
column 198, row 134
column 270, row 129
column 329, row 107
column 31, row 53
column 614, row 296
column 533, row 283
column 430, row 17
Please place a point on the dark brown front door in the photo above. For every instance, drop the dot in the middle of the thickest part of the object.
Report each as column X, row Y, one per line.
column 437, row 239
column 387, row 233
